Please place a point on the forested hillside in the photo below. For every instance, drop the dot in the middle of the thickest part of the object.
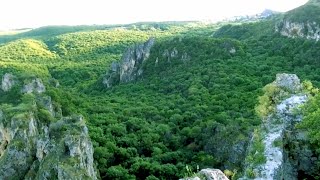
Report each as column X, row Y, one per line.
column 194, row 104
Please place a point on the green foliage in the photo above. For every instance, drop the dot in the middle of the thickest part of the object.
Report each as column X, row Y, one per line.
column 118, row 172
column 250, row 173
column 190, row 172
column 13, row 96
column 303, row 13
column 310, row 123
column 278, row 143
column 18, row 144
column 256, row 155
column 308, row 88
column 179, row 113
column 228, row 173
column 268, row 100
column 45, row 116
column 25, row 50
column 246, row 31
column 151, row 178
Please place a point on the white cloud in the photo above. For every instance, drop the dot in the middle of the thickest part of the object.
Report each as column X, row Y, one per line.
column 33, row 13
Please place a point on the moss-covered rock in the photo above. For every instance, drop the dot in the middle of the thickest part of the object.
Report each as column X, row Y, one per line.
column 36, row 143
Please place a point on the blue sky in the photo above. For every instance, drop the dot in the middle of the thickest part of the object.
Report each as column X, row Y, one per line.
column 35, row 13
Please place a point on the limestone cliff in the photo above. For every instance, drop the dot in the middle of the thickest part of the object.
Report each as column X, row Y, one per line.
column 302, row 22
column 308, row 30
column 270, row 143
column 130, row 66
column 36, row 142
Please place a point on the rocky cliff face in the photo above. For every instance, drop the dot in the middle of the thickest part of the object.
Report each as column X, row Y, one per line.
column 279, row 163
column 276, row 126
column 301, row 22
column 130, row 66
column 308, row 30
column 37, row 143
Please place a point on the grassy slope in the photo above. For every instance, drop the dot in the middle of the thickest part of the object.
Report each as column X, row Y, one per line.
column 305, row 13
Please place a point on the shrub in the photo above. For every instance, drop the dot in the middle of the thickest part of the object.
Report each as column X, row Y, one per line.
column 45, row 116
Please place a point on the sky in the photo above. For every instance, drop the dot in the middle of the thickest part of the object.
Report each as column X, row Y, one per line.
column 36, row 13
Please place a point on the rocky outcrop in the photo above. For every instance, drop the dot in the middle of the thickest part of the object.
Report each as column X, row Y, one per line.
column 276, row 126
column 279, row 164
column 35, row 85
column 7, row 82
column 308, row 30
column 174, row 53
column 131, row 65
column 36, row 142
column 232, row 51
column 213, row 174
column 208, row 174
column 289, row 82
column 64, row 150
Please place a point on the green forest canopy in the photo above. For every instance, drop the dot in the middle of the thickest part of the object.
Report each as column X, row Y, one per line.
column 196, row 113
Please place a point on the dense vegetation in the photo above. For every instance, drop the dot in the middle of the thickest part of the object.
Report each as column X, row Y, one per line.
column 195, row 111
column 302, row 14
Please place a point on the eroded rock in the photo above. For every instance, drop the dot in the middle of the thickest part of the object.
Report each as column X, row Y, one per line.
column 185, row 57
column 131, row 65
column 209, row 174
column 307, row 30
column 213, row 174
column 35, row 85
column 277, row 138
column 7, row 82
column 290, row 82
column 38, row 143
column 232, row 50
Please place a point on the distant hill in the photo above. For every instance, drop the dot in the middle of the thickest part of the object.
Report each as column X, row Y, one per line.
column 302, row 22
column 25, row 50
column 51, row 31
column 308, row 12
